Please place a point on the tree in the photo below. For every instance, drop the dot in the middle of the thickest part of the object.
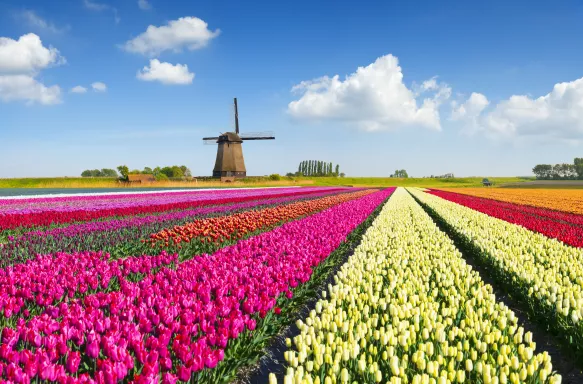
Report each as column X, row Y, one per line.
column 161, row 176
column 342, row 174
column 147, row 171
column 173, row 172
column 124, row 171
column 330, row 169
column 185, row 171
column 578, row 162
column 337, row 170
column 106, row 172
column 564, row 171
column 543, row 171
column 400, row 173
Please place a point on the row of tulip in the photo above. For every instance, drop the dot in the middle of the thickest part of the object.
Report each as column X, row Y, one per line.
column 47, row 280
column 565, row 200
column 559, row 225
column 176, row 323
column 406, row 308
column 147, row 203
column 545, row 274
column 121, row 237
column 222, row 228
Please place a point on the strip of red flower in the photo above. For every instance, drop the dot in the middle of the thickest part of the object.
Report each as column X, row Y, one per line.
column 557, row 225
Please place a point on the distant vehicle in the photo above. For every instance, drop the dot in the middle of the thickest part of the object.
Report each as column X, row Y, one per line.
column 486, row 183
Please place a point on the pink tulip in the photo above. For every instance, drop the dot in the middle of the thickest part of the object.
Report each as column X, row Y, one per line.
column 73, row 360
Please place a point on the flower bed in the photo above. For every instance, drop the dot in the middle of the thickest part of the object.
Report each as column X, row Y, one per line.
column 545, row 274
column 407, row 308
column 559, row 225
column 176, row 324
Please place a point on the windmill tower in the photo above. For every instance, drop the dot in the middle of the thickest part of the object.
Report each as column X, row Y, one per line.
column 230, row 161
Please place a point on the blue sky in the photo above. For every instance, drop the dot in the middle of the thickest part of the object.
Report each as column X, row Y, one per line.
column 488, row 89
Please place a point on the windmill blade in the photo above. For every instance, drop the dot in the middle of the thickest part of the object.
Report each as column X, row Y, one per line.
column 236, row 116
column 256, row 135
column 210, row 140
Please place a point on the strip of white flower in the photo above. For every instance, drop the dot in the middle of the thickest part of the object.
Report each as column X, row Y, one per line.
column 546, row 270
column 407, row 308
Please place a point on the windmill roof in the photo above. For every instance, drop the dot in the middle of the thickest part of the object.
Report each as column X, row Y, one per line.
column 232, row 136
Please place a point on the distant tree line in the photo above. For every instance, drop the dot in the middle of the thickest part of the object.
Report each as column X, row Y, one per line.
column 160, row 173
column 400, row 173
column 563, row 171
column 105, row 172
column 446, row 176
column 318, row 168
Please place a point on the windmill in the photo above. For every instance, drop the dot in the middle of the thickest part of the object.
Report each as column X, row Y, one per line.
column 230, row 161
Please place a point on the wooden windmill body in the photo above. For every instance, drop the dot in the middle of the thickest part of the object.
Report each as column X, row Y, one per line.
column 230, row 161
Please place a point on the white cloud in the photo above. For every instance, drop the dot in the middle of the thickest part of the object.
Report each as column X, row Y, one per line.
column 471, row 109
column 144, row 5
column 100, row 7
column 79, row 89
column 99, row 87
column 27, row 55
column 20, row 62
column 26, row 88
column 186, row 32
column 557, row 115
column 373, row 98
column 35, row 21
column 166, row 73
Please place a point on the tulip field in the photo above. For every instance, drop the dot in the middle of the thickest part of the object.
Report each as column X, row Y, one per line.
column 363, row 285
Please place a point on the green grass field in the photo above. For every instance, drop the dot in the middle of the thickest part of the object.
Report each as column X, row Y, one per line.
column 414, row 182
column 78, row 182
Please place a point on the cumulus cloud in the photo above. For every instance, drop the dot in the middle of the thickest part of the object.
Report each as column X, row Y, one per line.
column 471, row 108
column 556, row 115
column 20, row 62
column 166, row 73
column 35, row 21
column 79, row 89
column 99, row 87
column 26, row 88
column 144, row 5
column 26, row 55
column 187, row 32
column 373, row 98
